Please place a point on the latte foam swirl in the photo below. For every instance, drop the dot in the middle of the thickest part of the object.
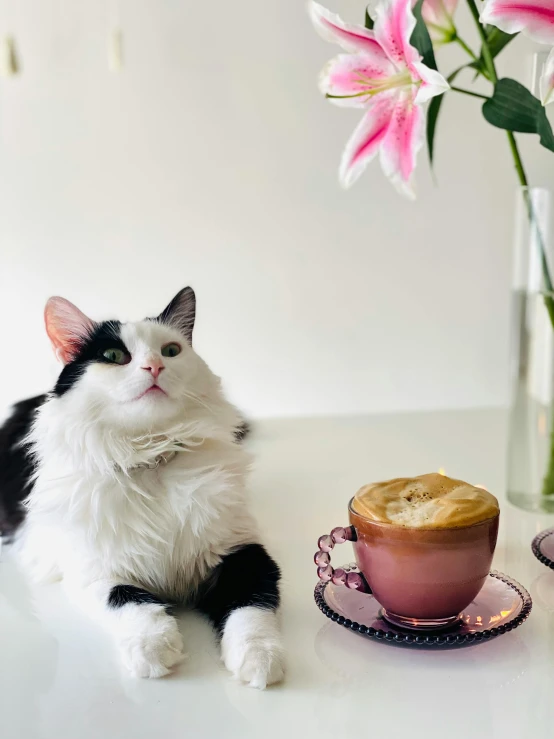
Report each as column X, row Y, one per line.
column 430, row 501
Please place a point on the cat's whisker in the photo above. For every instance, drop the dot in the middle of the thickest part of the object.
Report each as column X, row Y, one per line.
column 197, row 399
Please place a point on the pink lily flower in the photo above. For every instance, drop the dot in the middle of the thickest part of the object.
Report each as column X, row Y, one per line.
column 534, row 17
column 438, row 16
column 546, row 83
column 383, row 74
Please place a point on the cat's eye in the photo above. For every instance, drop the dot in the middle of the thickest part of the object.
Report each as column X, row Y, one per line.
column 116, row 356
column 171, row 350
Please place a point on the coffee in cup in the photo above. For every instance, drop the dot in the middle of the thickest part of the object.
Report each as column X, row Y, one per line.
column 424, row 546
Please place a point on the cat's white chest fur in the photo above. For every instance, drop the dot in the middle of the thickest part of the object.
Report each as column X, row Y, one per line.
column 162, row 529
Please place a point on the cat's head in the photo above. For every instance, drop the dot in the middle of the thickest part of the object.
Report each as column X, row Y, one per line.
column 139, row 376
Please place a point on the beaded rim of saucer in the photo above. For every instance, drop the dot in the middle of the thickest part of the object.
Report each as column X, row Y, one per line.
column 536, row 547
column 443, row 638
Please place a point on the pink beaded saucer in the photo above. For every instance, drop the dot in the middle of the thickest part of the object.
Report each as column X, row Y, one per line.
column 501, row 606
column 543, row 547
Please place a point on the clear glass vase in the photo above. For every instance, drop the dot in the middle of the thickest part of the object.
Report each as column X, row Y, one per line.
column 530, row 474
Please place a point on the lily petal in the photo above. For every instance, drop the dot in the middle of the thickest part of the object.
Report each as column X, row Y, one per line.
column 393, row 29
column 438, row 16
column 546, row 83
column 432, row 83
column 366, row 139
column 351, row 37
column 349, row 75
column 534, row 17
column 403, row 140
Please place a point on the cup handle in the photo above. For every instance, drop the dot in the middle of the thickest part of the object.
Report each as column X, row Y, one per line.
column 322, row 559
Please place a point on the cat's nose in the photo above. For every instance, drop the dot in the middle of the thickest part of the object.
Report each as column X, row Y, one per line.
column 154, row 366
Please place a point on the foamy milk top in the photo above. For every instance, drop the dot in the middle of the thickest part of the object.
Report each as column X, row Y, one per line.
column 429, row 501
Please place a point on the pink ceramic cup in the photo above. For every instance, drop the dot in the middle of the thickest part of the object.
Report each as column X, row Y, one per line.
column 423, row 578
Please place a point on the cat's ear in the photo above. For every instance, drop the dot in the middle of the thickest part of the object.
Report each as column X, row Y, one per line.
column 181, row 312
column 67, row 328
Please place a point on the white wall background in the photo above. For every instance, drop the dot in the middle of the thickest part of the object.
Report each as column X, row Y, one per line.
column 211, row 160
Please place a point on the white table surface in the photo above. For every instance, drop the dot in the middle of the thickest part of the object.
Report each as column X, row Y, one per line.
column 59, row 677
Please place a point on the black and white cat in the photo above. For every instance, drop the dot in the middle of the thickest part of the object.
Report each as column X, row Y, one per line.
column 128, row 481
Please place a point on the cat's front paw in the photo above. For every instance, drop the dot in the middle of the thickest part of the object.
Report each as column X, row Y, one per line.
column 256, row 664
column 252, row 649
column 154, row 648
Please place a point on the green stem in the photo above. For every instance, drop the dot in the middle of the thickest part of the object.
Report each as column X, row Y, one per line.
column 529, row 203
column 548, row 481
column 517, row 160
column 465, row 47
column 548, row 300
column 485, row 50
column 491, row 68
column 469, row 92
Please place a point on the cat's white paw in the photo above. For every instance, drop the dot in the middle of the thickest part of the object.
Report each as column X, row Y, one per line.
column 251, row 647
column 154, row 646
column 257, row 664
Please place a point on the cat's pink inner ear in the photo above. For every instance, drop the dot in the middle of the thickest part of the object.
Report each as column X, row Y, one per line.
column 67, row 327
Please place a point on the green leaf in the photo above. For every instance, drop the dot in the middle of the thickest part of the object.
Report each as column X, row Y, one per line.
column 369, row 22
column 514, row 108
column 496, row 41
column 433, row 113
column 421, row 39
column 545, row 131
